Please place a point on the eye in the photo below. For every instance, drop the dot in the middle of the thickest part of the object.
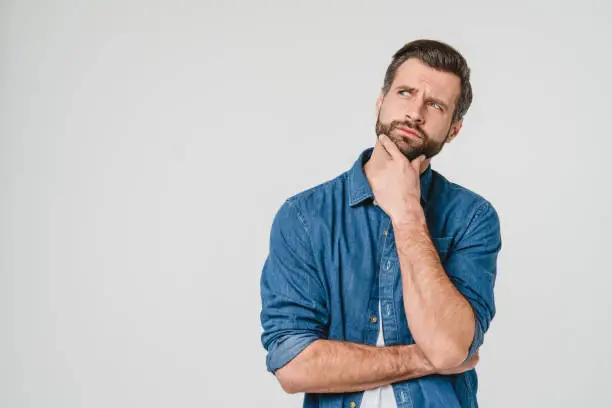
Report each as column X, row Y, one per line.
column 435, row 106
column 404, row 92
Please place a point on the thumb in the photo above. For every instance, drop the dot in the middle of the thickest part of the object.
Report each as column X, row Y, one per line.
column 416, row 163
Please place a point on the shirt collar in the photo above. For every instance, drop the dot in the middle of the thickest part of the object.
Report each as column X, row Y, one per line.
column 359, row 189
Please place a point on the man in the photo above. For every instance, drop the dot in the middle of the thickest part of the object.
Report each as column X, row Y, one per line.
column 378, row 287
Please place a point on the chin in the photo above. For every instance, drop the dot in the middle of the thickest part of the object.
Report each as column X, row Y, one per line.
column 410, row 155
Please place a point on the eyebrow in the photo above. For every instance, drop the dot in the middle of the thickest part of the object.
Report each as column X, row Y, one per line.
column 428, row 99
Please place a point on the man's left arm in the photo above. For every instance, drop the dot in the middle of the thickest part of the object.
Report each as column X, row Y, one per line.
column 448, row 307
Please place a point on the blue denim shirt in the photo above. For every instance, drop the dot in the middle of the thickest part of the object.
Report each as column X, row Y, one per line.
column 333, row 258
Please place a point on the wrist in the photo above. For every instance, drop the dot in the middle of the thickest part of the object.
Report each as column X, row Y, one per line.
column 412, row 215
column 425, row 366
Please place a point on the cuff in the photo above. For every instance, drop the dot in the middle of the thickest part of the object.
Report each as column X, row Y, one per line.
column 477, row 341
column 286, row 348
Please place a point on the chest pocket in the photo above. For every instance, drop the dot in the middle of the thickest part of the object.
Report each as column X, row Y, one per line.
column 443, row 245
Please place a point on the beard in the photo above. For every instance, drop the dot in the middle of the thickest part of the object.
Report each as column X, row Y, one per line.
column 410, row 147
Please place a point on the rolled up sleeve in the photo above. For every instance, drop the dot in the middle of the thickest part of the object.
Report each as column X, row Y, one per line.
column 472, row 267
column 294, row 312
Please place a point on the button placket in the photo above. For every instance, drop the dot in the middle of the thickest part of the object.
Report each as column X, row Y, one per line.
column 386, row 281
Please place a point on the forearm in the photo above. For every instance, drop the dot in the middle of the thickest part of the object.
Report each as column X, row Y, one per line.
column 328, row 366
column 441, row 320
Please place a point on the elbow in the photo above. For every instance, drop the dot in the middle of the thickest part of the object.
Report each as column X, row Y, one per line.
column 289, row 378
column 297, row 375
column 447, row 357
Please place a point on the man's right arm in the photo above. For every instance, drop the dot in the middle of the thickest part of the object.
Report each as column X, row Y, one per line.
column 334, row 366
column 328, row 366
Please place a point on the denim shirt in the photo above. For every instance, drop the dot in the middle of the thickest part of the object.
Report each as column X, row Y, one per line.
column 332, row 258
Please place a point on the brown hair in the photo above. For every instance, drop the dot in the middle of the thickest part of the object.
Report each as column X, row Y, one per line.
column 440, row 56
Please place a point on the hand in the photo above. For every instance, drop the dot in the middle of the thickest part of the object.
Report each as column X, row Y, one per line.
column 395, row 181
column 467, row 366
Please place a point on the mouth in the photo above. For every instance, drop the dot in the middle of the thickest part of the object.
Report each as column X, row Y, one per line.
column 409, row 132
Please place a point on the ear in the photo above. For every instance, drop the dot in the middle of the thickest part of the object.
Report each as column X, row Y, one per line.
column 454, row 130
column 379, row 103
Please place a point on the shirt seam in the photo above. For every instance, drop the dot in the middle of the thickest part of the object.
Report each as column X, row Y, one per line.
column 302, row 218
column 476, row 214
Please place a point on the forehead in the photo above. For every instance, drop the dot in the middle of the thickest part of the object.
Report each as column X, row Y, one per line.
column 414, row 73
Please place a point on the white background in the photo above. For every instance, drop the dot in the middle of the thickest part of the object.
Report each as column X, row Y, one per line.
column 145, row 147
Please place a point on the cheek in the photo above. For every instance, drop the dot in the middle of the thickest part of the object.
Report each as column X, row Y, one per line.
column 438, row 124
column 390, row 112
column 436, row 130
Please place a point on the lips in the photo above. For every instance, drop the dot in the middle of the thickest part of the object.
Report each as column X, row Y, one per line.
column 409, row 132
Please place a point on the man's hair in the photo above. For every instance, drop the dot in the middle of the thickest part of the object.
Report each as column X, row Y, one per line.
column 441, row 57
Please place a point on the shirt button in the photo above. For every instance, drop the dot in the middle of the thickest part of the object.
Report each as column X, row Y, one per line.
column 385, row 233
column 375, row 202
column 353, row 404
column 373, row 319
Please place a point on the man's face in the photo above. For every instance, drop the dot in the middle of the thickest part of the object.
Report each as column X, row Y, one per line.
column 421, row 100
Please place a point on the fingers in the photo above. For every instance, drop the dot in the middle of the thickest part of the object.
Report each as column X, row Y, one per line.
column 389, row 146
column 393, row 152
column 379, row 149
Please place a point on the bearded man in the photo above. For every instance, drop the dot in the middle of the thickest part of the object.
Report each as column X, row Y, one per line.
column 378, row 287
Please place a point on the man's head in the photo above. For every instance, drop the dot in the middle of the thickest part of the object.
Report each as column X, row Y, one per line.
column 426, row 91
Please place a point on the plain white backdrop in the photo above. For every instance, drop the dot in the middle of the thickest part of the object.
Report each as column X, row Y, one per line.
column 145, row 147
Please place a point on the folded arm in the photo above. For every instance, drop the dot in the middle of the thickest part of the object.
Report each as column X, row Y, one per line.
column 336, row 366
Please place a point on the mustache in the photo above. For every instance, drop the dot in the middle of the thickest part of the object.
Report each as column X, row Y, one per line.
column 396, row 124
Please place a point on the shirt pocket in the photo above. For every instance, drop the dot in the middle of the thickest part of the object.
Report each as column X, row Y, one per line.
column 442, row 245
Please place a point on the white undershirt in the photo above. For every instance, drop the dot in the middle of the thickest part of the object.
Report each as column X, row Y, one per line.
column 381, row 397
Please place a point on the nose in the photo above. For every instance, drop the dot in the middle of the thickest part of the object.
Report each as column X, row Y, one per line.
column 415, row 112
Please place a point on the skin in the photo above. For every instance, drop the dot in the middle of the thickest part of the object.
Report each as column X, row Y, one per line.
column 327, row 366
column 441, row 322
